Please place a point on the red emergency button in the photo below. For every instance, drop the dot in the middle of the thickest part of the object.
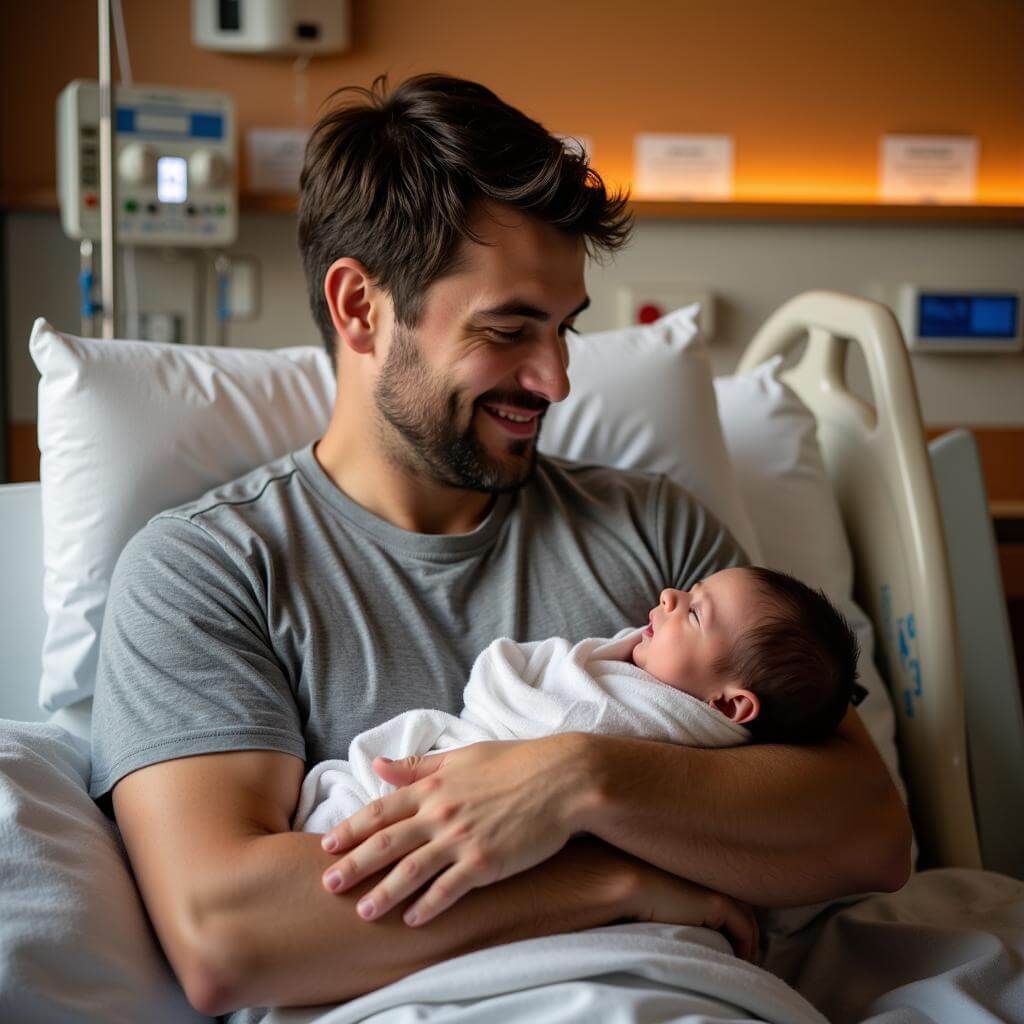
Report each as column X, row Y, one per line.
column 90, row 200
column 648, row 313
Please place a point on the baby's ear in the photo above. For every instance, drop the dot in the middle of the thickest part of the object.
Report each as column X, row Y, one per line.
column 738, row 705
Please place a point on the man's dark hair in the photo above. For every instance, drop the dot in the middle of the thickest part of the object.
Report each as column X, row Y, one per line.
column 800, row 660
column 390, row 181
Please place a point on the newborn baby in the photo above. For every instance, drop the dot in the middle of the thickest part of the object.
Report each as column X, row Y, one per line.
column 759, row 646
column 745, row 654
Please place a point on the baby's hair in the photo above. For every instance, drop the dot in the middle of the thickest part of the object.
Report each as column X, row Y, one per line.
column 800, row 660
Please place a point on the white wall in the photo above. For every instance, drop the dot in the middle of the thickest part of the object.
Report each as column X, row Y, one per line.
column 751, row 267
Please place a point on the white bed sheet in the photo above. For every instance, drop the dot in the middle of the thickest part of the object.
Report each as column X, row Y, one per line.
column 625, row 972
column 946, row 949
column 76, row 946
column 949, row 947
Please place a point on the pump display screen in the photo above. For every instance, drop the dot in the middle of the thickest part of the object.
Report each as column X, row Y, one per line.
column 171, row 179
column 985, row 317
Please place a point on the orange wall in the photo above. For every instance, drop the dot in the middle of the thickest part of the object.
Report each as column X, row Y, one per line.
column 806, row 87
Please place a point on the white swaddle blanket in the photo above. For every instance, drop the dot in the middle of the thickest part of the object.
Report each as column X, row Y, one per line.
column 519, row 691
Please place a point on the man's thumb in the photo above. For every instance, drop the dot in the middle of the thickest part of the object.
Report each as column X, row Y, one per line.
column 405, row 771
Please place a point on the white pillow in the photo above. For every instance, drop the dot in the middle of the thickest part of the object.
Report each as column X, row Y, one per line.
column 773, row 443
column 75, row 942
column 642, row 398
column 129, row 428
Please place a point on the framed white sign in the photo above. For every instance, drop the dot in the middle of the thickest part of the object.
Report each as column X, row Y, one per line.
column 275, row 159
column 682, row 167
column 928, row 168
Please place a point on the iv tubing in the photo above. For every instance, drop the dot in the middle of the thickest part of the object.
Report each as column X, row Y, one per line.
column 108, row 241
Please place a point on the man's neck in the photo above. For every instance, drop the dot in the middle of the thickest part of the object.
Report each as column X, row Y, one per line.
column 350, row 454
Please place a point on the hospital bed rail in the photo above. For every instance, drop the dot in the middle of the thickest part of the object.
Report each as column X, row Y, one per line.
column 877, row 459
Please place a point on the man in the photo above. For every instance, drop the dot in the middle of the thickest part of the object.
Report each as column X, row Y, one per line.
column 261, row 627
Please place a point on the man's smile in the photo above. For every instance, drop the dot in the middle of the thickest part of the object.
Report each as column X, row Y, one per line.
column 517, row 421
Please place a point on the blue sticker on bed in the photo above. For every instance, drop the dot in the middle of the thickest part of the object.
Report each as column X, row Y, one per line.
column 902, row 634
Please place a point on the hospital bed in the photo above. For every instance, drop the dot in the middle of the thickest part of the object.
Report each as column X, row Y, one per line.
column 895, row 495
column 925, row 572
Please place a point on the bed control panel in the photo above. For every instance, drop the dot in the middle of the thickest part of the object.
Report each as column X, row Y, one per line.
column 961, row 319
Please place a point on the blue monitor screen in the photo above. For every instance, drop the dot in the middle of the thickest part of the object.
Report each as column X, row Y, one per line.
column 967, row 316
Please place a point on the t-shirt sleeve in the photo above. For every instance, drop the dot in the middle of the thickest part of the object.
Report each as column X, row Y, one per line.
column 693, row 543
column 186, row 666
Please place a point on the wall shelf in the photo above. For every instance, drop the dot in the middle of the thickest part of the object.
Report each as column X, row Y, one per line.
column 822, row 212
column 45, row 200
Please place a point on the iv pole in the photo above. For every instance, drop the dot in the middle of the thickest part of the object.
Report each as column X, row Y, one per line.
column 108, row 210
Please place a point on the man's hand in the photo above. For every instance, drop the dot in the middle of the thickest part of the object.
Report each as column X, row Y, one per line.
column 470, row 816
column 655, row 895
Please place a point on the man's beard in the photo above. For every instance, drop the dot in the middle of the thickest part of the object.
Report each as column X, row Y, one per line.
column 424, row 408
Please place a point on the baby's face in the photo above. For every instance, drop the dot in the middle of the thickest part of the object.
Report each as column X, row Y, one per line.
column 690, row 630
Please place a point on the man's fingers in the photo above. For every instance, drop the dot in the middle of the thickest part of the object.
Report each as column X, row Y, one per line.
column 381, row 851
column 377, row 814
column 740, row 927
column 755, row 938
column 447, row 889
column 410, row 874
column 407, row 770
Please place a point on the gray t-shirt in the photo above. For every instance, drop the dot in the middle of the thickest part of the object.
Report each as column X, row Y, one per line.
column 275, row 613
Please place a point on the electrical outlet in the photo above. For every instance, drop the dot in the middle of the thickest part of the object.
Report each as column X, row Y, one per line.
column 645, row 303
column 243, row 296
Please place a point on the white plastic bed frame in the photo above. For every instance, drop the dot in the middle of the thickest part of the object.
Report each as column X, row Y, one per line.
column 878, row 462
column 880, row 468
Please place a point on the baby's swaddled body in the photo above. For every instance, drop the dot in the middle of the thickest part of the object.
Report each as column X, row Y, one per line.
column 520, row 691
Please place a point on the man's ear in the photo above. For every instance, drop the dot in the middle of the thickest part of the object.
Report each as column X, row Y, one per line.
column 353, row 299
column 737, row 704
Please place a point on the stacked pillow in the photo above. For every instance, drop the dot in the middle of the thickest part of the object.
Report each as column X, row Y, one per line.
column 773, row 444
column 129, row 428
column 642, row 398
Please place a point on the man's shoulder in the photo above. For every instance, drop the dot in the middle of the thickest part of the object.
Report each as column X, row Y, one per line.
column 634, row 502
column 245, row 495
column 226, row 524
column 588, row 483
column 595, row 477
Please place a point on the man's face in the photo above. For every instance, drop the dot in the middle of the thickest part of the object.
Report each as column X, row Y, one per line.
column 462, row 395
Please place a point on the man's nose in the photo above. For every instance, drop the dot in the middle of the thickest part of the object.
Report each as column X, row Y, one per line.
column 544, row 371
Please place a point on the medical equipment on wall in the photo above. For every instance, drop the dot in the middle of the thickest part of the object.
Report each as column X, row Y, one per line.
column 155, row 166
column 174, row 152
column 961, row 319
column 283, row 27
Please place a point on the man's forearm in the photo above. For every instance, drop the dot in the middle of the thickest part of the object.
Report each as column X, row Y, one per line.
column 290, row 942
column 772, row 825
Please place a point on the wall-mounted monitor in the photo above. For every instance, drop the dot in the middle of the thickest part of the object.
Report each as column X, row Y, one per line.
column 961, row 319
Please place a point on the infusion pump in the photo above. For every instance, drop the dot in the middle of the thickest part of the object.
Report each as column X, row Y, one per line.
column 174, row 159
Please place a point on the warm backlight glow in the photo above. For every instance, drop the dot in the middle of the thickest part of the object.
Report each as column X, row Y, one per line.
column 799, row 186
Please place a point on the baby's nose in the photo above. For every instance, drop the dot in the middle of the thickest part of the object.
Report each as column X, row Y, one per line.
column 668, row 599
